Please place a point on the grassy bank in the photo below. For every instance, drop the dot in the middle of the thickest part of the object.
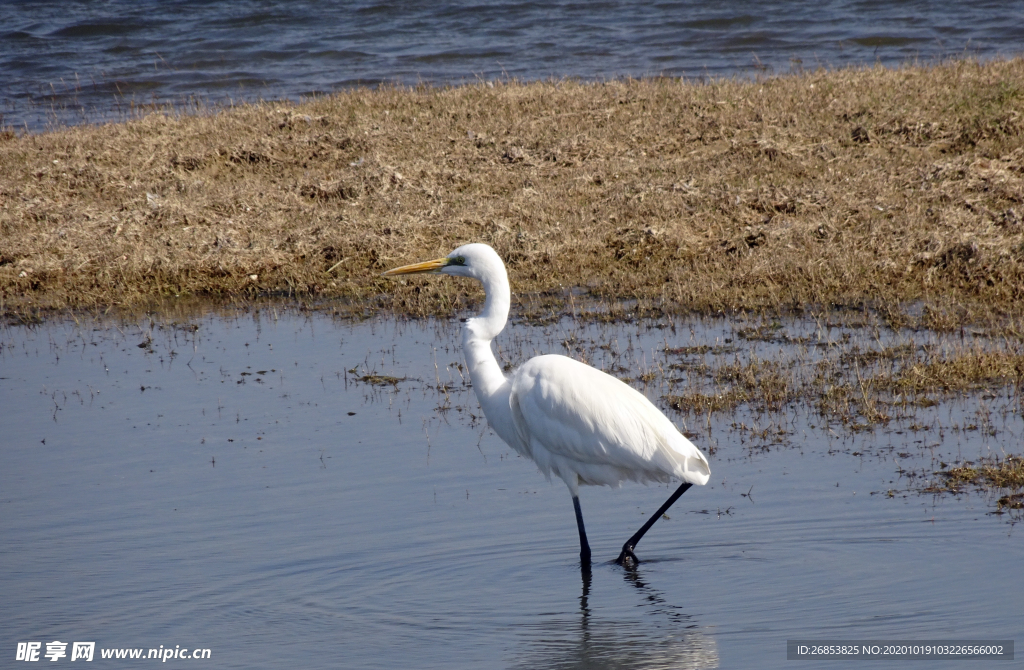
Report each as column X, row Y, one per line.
column 900, row 190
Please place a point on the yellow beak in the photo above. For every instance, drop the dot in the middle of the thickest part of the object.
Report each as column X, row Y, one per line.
column 433, row 266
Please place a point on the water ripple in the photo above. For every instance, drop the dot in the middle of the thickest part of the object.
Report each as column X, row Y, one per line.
column 153, row 51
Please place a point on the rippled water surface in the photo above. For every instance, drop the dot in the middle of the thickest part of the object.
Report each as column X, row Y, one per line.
column 73, row 61
column 241, row 484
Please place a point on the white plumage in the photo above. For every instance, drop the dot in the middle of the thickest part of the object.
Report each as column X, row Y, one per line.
column 582, row 424
column 575, row 422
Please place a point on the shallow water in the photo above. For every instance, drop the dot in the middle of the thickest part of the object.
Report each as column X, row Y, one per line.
column 229, row 484
column 66, row 62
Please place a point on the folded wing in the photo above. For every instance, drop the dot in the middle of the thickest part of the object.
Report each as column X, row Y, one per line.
column 588, row 427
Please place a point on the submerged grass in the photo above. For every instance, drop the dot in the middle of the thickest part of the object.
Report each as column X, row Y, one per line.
column 894, row 189
column 1001, row 474
column 858, row 386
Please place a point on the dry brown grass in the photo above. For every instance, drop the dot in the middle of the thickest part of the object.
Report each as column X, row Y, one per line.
column 996, row 474
column 902, row 190
column 999, row 477
column 766, row 385
column 859, row 385
column 1005, row 472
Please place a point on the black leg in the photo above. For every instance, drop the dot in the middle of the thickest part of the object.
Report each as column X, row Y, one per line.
column 627, row 557
column 584, row 545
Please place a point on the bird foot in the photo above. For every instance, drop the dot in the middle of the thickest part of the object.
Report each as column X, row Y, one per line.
column 627, row 558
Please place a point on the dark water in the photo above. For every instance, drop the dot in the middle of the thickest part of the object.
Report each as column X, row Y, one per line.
column 232, row 485
column 71, row 61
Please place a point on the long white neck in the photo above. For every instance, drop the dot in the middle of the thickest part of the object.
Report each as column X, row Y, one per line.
column 488, row 379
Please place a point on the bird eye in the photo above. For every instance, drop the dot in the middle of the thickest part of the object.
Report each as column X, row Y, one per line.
column 458, row 260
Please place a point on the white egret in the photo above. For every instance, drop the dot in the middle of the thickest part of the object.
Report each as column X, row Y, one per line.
column 583, row 425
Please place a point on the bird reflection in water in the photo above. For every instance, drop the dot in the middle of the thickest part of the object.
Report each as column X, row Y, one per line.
column 665, row 638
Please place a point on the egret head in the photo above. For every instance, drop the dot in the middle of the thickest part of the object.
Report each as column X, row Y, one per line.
column 474, row 260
